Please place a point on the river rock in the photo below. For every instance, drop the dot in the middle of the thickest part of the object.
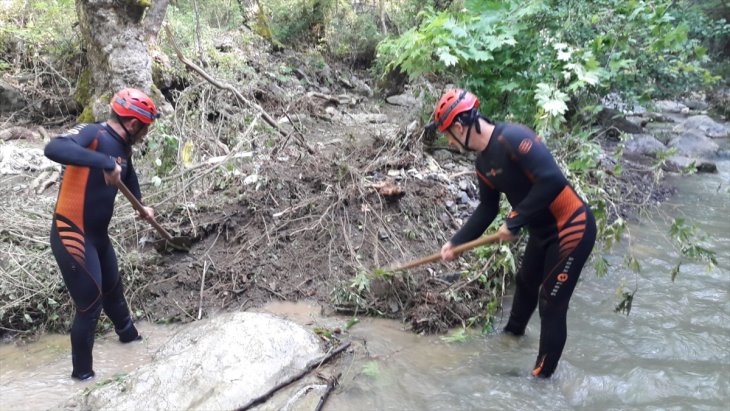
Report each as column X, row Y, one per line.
column 670, row 106
column 404, row 100
column 644, row 144
column 704, row 124
column 11, row 99
column 222, row 363
column 694, row 144
column 611, row 118
column 680, row 163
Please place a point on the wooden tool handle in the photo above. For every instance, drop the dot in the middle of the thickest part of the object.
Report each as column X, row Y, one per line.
column 140, row 208
column 457, row 250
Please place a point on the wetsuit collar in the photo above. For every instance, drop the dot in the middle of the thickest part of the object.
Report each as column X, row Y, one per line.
column 496, row 132
column 114, row 134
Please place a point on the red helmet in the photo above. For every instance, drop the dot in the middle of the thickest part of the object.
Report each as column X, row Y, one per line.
column 453, row 103
column 131, row 102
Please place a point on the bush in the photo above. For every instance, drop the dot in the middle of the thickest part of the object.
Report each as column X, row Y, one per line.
column 38, row 28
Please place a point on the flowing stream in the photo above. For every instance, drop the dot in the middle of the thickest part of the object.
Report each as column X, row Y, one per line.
column 671, row 353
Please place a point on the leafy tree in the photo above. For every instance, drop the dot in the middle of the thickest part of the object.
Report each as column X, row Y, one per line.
column 515, row 53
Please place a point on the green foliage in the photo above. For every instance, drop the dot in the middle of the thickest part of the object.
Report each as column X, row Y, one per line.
column 361, row 282
column 352, row 36
column 29, row 30
column 690, row 242
column 456, row 336
column 300, row 21
column 514, row 54
column 165, row 146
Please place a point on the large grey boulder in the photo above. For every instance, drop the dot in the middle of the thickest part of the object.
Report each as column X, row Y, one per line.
column 644, row 144
column 217, row 364
column 705, row 125
column 11, row 98
column 692, row 143
column 670, row 106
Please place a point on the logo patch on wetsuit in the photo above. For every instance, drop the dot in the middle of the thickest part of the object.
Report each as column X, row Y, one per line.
column 562, row 277
column 74, row 131
column 525, row 146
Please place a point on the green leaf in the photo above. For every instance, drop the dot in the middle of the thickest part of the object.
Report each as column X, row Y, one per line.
column 675, row 271
column 446, row 57
column 457, row 336
column 351, row 323
column 371, row 369
column 601, row 265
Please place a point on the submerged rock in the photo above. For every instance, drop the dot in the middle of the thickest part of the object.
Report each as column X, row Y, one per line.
column 221, row 363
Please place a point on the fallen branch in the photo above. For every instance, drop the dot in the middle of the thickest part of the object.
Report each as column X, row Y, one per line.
column 311, row 366
column 331, row 384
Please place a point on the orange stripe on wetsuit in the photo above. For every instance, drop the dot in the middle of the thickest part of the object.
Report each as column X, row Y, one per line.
column 570, row 216
column 70, row 205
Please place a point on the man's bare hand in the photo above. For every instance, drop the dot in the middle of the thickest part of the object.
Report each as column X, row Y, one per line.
column 447, row 252
column 113, row 177
column 505, row 234
column 148, row 215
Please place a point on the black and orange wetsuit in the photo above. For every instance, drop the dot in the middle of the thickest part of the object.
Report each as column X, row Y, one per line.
column 79, row 237
column 561, row 229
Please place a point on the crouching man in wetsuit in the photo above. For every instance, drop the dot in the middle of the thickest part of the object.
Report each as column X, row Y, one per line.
column 96, row 157
column 514, row 161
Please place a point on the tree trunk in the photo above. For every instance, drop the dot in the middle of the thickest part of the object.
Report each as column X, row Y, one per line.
column 153, row 20
column 381, row 12
column 113, row 36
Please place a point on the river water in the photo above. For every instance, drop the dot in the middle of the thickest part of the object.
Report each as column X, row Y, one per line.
column 671, row 353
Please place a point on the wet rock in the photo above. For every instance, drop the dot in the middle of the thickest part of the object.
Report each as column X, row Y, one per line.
column 11, row 99
column 706, row 125
column 644, row 144
column 707, row 167
column 404, row 100
column 611, row 118
column 694, row 144
column 463, row 197
column 221, row 363
column 361, row 87
column 678, row 164
column 670, row 106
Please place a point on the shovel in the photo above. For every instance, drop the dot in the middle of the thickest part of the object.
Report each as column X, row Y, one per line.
column 457, row 250
column 168, row 242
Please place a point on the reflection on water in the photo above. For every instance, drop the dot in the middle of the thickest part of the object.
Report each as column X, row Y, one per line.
column 670, row 353
column 36, row 376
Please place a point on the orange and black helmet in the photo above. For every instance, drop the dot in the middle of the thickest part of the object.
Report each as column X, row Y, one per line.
column 131, row 102
column 451, row 104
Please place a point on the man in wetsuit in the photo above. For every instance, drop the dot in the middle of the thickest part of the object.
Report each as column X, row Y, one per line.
column 514, row 161
column 96, row 157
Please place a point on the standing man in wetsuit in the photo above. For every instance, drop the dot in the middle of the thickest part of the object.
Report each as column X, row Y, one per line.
column 96, row 157
column 513, row 160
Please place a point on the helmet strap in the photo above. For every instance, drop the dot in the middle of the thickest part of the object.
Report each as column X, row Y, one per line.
column 127, row 135
column 468, row 135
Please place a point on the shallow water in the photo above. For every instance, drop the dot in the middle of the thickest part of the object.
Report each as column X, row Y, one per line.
column 671, row 353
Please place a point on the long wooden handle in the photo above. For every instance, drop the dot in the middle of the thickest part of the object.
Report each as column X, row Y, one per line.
column 457, row 250
column 140, row 208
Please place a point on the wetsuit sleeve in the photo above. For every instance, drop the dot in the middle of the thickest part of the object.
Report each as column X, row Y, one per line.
column 538, row 164
column 131, row 180
column 481, row 218
column 72, row 148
